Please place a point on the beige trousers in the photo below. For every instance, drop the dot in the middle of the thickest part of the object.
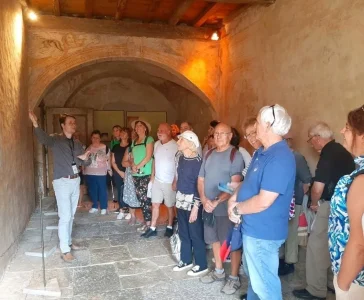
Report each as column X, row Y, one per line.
column 356, row 292
column 289, row 249
column 318, row 266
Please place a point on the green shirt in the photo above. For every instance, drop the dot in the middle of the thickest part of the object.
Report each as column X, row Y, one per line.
column 139, row 152
column 113, row 143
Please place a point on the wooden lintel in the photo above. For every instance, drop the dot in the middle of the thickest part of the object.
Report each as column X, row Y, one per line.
column 119, row 28
column 244, row 1
column 120, row 8
column 179, row 12
column 205, row 14
column 56, row 8
column 89, row 8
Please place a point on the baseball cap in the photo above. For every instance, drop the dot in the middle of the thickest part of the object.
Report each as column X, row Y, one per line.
column 190, row 136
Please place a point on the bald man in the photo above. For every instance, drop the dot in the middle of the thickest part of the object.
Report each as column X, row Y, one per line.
column 163, row 174
column 222, row 164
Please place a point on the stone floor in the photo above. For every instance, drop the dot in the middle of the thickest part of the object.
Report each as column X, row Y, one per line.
column 116, row 264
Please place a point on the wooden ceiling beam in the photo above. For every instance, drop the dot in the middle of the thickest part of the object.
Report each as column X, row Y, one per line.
column 56, row 8
column 179, row 11
column 89, row 8
column 244, row 1
column 205, row 14
column 120, row 8
column 152, row 9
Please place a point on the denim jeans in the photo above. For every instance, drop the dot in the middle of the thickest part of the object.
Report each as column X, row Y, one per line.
column 119, row 182
column 261, row 261
column 67, row 193
column 97, row 190
column 191, row 235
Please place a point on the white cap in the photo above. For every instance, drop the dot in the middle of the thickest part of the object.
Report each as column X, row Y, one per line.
column 190, row 136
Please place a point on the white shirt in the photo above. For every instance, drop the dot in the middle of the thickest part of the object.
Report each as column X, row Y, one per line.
column 164, row 161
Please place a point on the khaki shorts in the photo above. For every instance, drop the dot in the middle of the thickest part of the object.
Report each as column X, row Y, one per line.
column 163, row 191
column 220, row 230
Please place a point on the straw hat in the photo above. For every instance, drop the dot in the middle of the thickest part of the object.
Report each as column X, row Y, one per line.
column 140, row 120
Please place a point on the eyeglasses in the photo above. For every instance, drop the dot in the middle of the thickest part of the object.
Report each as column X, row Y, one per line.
column 274, row 115
column 309, row 140
column 217, row 134
column 252, row 134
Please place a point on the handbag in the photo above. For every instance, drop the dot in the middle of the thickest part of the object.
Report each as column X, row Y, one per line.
column 208, row 218
column 175, row 242
column 129, row 195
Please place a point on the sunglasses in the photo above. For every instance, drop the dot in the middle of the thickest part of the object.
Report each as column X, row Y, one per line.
column 274, row 115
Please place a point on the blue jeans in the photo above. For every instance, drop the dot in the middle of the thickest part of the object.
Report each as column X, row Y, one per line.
column 191, row 235
column 67, row 193
column 261, row 261
column 97, row 190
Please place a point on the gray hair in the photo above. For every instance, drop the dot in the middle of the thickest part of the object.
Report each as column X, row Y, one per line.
column 321, row 129
column 278, row 117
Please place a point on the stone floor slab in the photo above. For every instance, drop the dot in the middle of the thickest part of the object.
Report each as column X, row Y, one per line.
column 134, row 267
column 95, row 279
column 143, row 280
column 112, row 254
column 147, row 249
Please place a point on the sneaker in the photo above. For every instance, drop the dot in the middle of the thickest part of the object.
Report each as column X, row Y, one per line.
column 120, row 216
column 305, row 294
column 68, row 257
column 93, row 210
column 168, row 233
column 212, row 277
column 244, row 297
column 103, row 211
column 127, row 216
column 231, row 286
column 195, row 271
column 149, row 233
column 285, row 269
column 182, row 266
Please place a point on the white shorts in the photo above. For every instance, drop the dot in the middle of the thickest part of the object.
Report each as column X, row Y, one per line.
column 163, row 191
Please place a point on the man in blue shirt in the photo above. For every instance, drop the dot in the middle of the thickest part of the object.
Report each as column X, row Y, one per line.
column 263, row 202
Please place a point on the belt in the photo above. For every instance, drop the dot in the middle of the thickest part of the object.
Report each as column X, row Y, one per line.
column 71, row 176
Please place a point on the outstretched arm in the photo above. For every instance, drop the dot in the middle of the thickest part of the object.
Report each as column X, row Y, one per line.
column 42, row 137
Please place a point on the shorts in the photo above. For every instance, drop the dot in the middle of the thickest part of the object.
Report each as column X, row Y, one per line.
column 163, row 191
column 220, row 230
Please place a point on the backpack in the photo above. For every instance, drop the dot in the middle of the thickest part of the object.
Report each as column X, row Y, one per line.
column 232, row 154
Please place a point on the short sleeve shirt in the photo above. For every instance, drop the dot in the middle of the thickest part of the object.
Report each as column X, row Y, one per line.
column 165, row 161
column 119, row 155
column 335, row 162
column 139, row 152
column 218, row 168
column 303, row 176
column 273, row 170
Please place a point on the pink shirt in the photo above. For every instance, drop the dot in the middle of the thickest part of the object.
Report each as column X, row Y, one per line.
column 99, row 161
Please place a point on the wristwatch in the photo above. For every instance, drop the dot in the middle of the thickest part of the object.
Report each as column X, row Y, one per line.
column 236, row 211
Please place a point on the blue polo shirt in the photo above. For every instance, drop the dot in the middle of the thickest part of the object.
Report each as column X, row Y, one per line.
column 272, row 170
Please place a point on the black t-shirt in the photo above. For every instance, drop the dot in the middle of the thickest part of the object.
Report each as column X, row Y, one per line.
column 335, row 162
column 119, row 154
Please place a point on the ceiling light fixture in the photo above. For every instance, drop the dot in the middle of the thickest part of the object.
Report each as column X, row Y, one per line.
column 32, row 15
column 215, row 36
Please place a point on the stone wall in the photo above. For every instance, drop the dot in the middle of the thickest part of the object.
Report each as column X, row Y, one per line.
column 16, row 151
column 304, row 55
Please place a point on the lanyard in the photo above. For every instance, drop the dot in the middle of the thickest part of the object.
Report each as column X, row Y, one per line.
column 72, row 147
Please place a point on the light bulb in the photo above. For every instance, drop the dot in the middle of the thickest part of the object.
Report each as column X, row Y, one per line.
column 32, row 15
column 215, row 36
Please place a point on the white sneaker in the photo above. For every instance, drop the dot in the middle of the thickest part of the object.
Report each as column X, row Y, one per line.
column 127, row 216
column 103, row 211
column 182, row 266
column 93, row 210
column 195, row 271
column 120, row 216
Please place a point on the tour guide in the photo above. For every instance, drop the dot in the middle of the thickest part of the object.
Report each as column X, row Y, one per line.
column 67, row 157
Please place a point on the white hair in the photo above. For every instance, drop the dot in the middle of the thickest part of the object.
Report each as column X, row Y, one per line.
column 321, row 129
column 278, row 117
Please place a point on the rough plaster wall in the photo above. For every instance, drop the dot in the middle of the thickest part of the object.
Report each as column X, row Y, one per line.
column 304, row 55
column 16, row 152
column 113, row 94
column 55, row 52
